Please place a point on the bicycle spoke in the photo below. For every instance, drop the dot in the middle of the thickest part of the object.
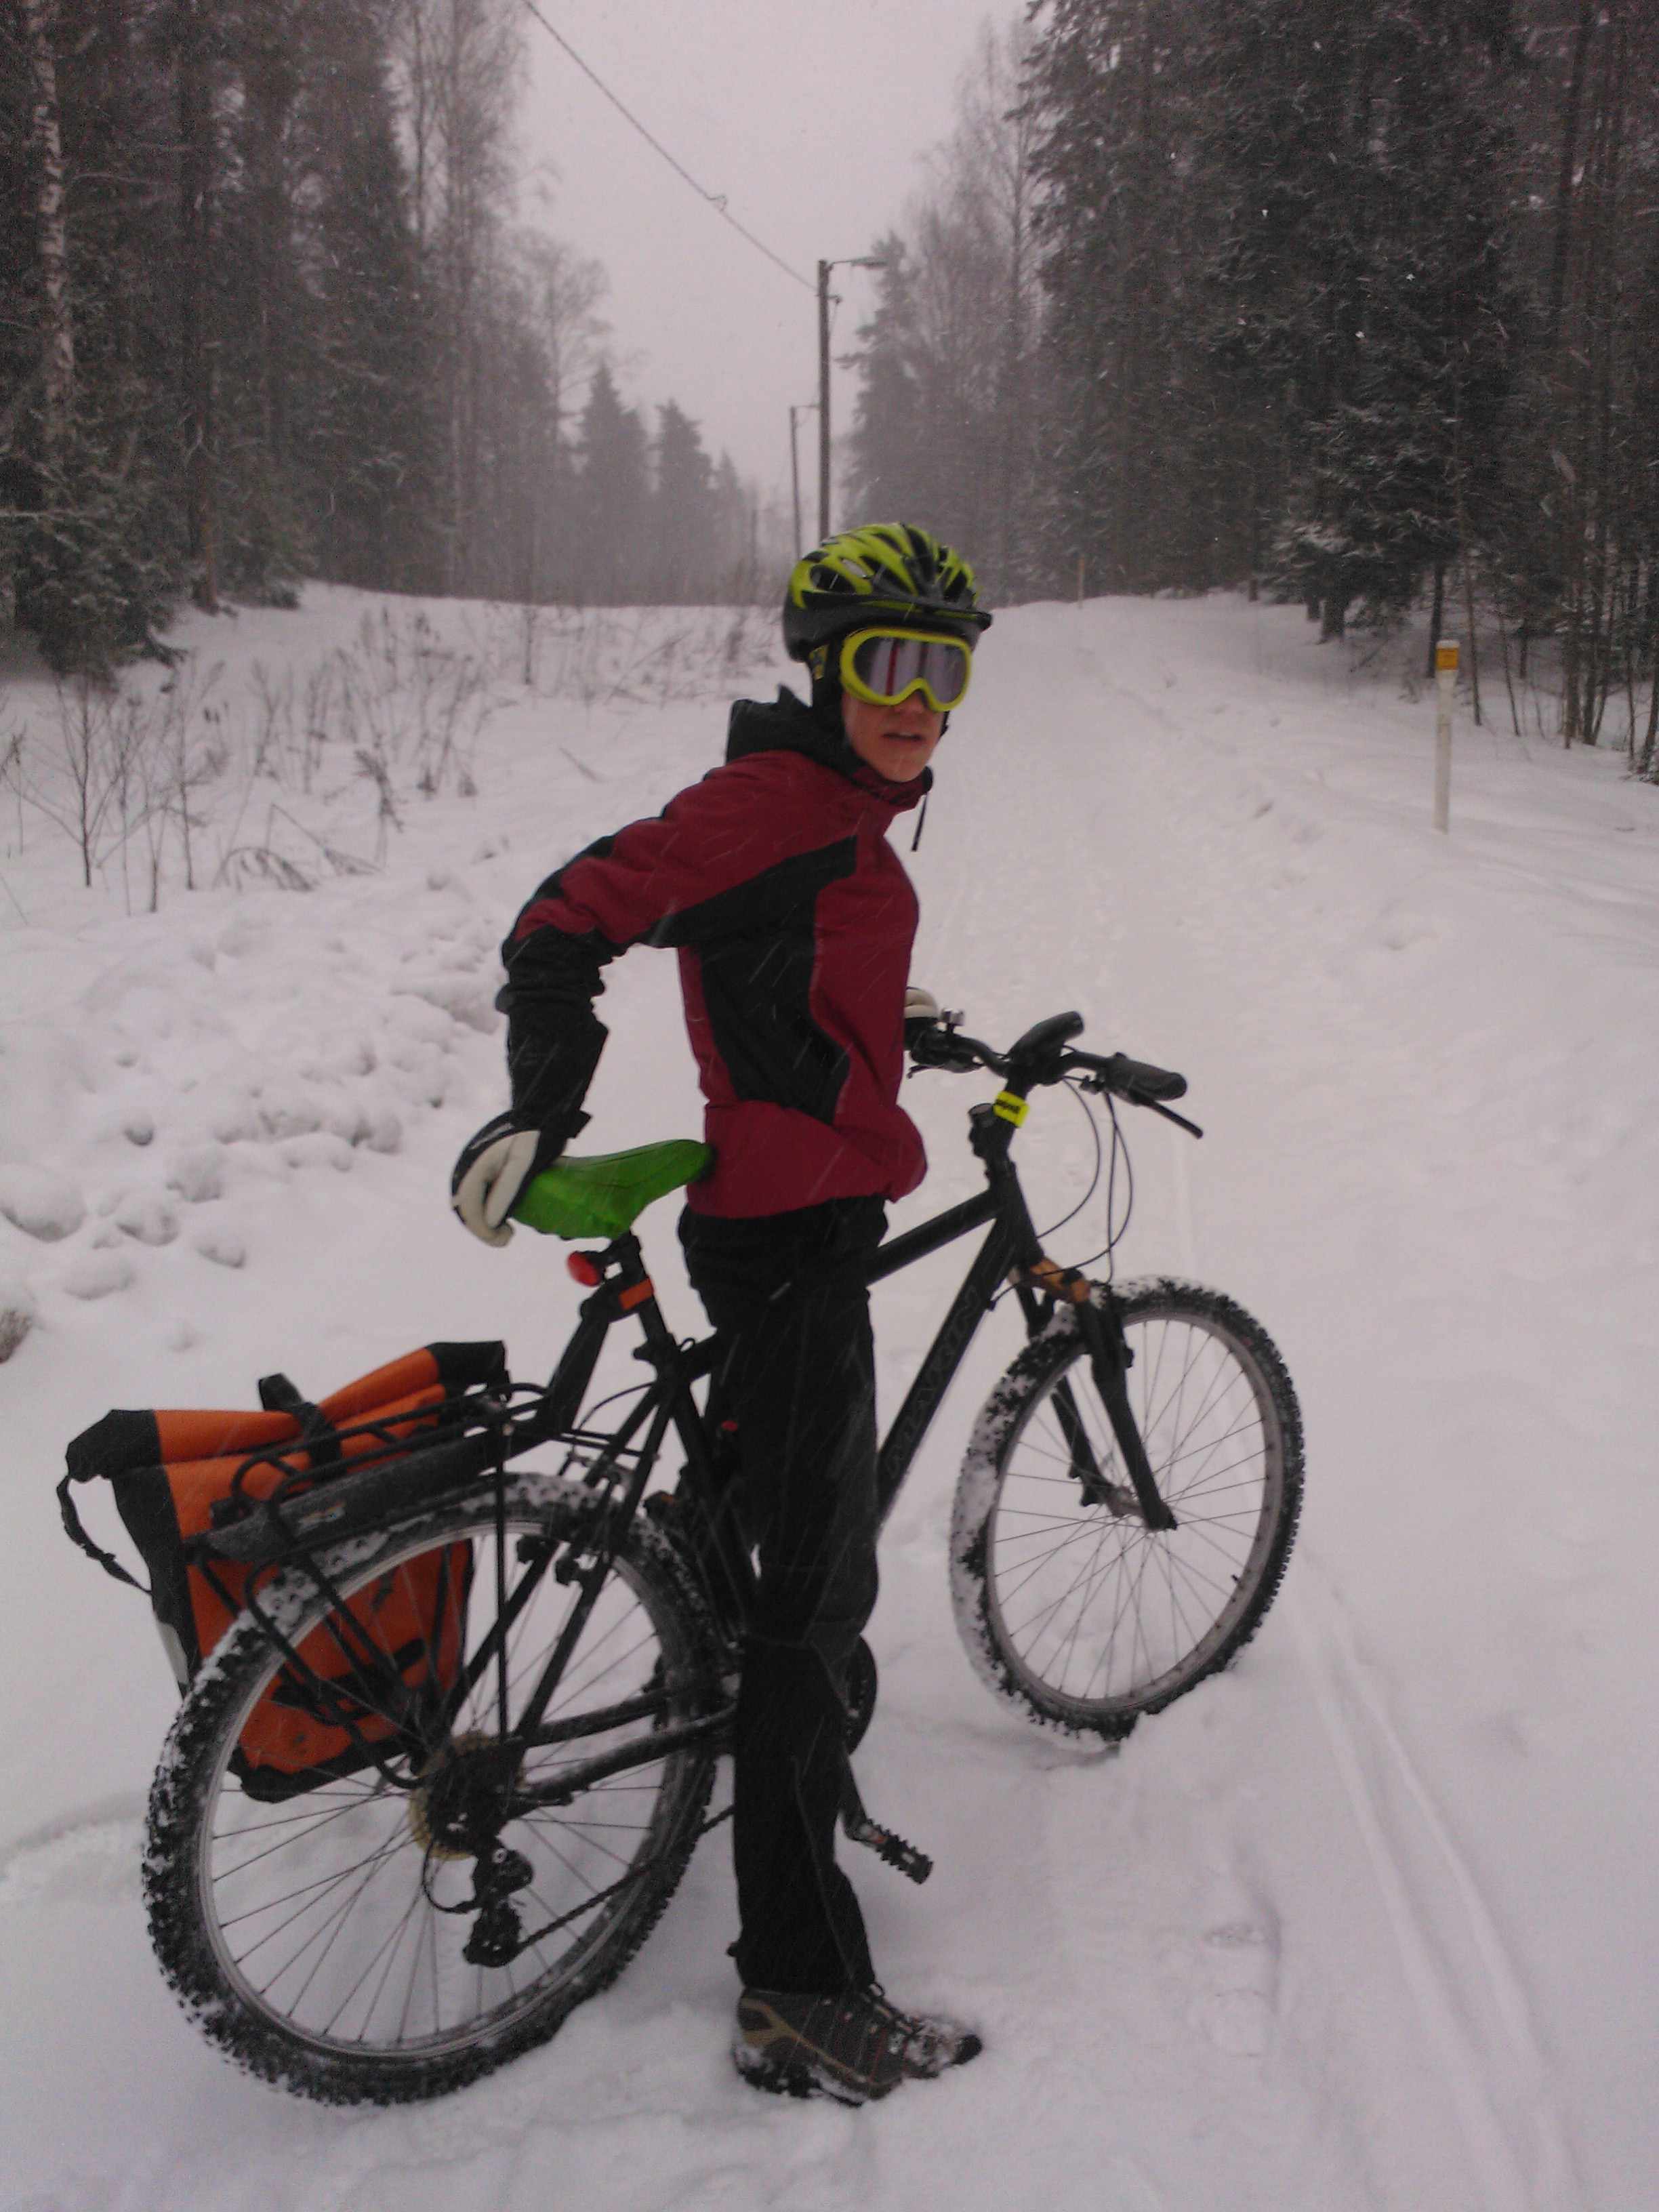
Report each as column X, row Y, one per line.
column 326, row 1935
column 323, row 1882
column 1095, row 1605
column 335, row 1927
column 389, row 1950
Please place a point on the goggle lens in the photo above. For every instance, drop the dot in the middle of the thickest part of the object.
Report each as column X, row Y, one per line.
column 886, row 666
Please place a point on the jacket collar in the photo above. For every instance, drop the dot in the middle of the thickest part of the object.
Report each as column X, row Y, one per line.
column 787, row 725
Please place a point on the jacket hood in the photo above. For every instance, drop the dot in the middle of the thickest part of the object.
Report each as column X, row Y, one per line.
column 788, row 725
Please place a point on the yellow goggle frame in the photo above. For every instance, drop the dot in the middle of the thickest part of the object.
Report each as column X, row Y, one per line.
column 925, row 672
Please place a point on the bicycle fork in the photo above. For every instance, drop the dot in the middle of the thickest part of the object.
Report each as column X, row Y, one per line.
column 1109, row 1361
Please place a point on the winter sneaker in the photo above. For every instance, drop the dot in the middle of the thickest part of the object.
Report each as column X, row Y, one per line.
column 855, row 2047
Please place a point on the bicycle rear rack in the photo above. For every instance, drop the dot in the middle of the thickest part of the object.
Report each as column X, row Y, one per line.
column 307, row 1511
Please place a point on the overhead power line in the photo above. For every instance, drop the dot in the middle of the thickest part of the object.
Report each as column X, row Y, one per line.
column 715, row 200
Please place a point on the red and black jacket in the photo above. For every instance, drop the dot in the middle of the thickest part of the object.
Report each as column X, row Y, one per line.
column 794, row 920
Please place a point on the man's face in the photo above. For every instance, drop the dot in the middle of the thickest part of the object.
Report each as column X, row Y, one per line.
column 897, row 742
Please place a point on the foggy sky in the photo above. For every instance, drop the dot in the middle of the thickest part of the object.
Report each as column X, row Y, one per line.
column 813, row 121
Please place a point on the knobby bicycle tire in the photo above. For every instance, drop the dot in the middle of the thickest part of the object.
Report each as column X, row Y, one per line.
column 1069, row 1604
column 318, row 1940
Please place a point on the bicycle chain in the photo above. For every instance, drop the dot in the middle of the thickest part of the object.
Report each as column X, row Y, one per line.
column 623, row 1881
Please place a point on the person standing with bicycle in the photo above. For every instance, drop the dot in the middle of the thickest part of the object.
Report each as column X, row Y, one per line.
column 794, row 920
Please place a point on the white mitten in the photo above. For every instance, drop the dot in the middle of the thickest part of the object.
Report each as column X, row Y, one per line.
column 494, row 1167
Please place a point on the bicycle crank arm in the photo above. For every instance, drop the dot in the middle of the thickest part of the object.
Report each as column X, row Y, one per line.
column 886, row 1843
column 1109, row 1360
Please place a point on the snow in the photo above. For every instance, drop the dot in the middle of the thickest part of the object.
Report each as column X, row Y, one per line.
column 40, row 1203
column 1369, row 1922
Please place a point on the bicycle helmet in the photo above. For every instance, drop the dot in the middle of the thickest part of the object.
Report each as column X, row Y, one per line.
column 885, row 572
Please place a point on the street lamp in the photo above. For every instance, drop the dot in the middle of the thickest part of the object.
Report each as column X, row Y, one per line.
column 858, row 261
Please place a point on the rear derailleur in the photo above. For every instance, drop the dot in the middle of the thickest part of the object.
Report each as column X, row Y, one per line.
column 457, row 1812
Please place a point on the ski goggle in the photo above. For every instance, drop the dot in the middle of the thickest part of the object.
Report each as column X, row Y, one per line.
column 883, row 666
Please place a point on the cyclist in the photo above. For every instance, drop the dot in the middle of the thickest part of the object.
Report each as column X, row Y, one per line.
column 794, row 920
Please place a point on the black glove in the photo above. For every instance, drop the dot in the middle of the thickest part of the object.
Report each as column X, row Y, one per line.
column 494, row 1167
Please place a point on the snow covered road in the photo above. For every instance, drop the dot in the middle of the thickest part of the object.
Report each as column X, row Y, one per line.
column 1369, row 1922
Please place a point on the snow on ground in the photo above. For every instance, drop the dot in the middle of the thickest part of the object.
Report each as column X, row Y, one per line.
column 1369, row 1922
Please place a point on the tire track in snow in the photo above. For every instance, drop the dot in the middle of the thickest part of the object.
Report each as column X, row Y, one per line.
column 86, row 1858
column 1476, row 2011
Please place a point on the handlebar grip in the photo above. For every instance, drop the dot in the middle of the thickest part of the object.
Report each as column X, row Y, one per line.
column 935, row 1046
column 1139, row 1079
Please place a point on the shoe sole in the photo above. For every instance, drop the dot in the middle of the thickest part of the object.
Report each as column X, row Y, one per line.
column 780, row 2077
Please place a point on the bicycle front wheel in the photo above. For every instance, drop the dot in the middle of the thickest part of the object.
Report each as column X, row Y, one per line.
column 1067, row 1603
column 393, row 1932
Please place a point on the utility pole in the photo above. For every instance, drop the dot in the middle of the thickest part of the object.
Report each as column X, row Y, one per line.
column 795, row 413
column 859, row 261
column 824, row 267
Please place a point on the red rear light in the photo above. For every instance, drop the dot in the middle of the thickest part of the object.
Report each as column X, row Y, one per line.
column 585, row 1269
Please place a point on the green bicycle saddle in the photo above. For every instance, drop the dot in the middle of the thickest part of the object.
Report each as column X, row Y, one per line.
column 605, row 1194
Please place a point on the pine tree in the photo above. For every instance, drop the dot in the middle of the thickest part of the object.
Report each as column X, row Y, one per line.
column 734, row 530
column 263, row 343
column 1115, row 87
column 888, row 437
column 948, row 423
column 606, row 560
column 682, row 560
column 89, row 546
column 1362, row 288
column 366, row 444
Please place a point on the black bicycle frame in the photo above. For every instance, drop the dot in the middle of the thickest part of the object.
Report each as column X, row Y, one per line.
column 668, row 1399
column 1010, row 1256
column 1010, row 1247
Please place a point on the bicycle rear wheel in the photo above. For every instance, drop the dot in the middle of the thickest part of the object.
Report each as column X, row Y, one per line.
column 332, row 1942
column 1067, row 1603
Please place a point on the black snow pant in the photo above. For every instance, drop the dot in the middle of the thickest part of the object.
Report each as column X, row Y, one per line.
column 796, row 1371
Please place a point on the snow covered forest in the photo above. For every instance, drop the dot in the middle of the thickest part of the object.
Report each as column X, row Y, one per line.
column 271, row 311
column 1352, row 301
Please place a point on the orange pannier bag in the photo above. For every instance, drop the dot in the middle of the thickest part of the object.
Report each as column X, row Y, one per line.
column 177, row 1475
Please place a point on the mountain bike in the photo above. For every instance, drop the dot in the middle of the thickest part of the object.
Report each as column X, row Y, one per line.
column 517, row 1811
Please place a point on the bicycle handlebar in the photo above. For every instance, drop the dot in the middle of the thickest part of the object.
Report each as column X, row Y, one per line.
column 1042, row 1056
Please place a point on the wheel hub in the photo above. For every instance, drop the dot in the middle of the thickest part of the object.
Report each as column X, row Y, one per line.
column 458, row 1802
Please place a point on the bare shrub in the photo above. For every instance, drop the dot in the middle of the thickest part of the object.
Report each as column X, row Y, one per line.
column 16, row 1319
column 88, row 783
column 268, row 863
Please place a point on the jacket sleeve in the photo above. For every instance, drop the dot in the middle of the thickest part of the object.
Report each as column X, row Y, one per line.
column 645, row 884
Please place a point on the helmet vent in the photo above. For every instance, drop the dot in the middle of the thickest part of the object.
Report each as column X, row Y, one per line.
column 885, row 570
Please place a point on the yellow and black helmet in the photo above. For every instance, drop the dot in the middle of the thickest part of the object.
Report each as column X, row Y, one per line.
column 887, row 572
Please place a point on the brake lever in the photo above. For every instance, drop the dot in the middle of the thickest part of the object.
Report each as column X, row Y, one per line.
column 1179, row 1120
column 1103, row 1089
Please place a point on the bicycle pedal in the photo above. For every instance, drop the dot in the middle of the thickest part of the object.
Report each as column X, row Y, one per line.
column 915, row 1865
